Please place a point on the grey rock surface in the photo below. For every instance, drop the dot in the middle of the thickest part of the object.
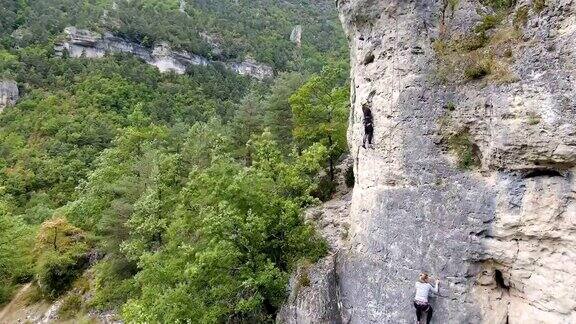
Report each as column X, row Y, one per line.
column 296, row 35
column 85, row 43
column 499, row 233
column 9, row 93
column 314, row 295
column 319, row 300
column 251, row 68
column 182, row 6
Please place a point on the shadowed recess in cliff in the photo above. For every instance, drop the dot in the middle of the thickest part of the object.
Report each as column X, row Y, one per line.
column 542, row 172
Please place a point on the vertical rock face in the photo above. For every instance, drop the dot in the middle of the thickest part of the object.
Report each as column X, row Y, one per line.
column 8, row 93
column 412, row 209
column 471, row 175
column 314, row 295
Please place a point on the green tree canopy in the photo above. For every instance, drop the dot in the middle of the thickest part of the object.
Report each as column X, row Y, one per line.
column 320, row 109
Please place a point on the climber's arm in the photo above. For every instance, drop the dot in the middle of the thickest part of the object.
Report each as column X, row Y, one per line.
column 435, row 287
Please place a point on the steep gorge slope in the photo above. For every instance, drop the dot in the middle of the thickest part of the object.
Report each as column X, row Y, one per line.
column 471, row 174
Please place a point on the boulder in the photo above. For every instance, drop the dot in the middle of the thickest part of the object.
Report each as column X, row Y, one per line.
column 9, row 94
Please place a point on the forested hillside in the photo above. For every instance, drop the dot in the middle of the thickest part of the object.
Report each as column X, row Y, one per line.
column 163, row 197
column 239, row 28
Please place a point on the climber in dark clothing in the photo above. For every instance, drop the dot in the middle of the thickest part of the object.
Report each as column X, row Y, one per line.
column 368, row 126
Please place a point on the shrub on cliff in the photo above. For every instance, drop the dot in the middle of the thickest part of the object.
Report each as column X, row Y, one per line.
column 478, row 70
column 62, row 256
column 499, row 4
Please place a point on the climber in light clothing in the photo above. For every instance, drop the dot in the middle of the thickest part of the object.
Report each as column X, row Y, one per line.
column 423, row 290
column 368, row 125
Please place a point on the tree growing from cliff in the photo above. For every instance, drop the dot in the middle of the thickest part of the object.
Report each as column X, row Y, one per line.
column 320, row 109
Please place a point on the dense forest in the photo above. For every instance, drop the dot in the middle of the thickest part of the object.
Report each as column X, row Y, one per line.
column 228, row 29
column 169, row 198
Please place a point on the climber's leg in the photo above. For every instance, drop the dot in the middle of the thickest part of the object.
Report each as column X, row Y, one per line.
column 418, row 312
column 430, row 311
column 370, row 135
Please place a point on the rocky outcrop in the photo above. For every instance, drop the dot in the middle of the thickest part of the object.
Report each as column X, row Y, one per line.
column 471, row 176
column 8, row 93
column 23, row 310
column 296, row 35
column 314, row 295
column 252, row 68
column 85, row 43
column 182, row 6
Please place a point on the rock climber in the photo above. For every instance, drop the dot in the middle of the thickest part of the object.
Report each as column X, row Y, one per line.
column 423, row 290
column 368, row 126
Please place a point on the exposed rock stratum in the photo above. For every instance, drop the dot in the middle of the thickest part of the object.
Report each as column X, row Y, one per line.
column 89, row 44
column 471, row 176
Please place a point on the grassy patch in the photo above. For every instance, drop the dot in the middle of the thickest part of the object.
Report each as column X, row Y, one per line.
column 521, row 17
column 450, row 106
column 478, row 70
column 81, row 285
column 33, row 295
column 505, row 37
column 441, row 47
column 474, row 41
column 489, row 22
column 85, row 319
column 477, row 55
column 533, row 119
column 304, row 279
column 303, row 275
column 71, row 306
column 499, row 4
column 538, row 5
column 500, row 73
column 467, row 153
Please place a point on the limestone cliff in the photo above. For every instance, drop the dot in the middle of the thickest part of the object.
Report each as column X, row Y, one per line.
column 81, row 42
column 8, row 93
column 471, row 176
